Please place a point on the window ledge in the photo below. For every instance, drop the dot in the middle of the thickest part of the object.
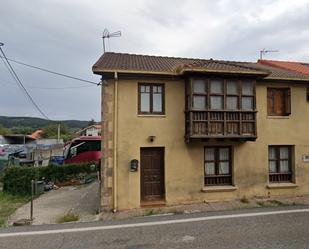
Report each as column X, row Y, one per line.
column 281, row 185
column 209, row 189
column 278, row 117
column 151, row 115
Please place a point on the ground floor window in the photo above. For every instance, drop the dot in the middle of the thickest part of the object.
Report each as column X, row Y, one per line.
column 280, row 163
column 218, row 166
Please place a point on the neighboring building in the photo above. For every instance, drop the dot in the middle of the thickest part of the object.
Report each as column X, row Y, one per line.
column 37, row 134
column 200, row 130
column 299, row 67
column 92, row 130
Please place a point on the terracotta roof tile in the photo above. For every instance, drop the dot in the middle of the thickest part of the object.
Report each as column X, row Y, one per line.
column 299, row 67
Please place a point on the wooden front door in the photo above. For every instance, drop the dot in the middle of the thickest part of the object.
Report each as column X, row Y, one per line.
column 152, row 174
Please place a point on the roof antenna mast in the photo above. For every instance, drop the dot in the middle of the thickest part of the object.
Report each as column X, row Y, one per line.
column 107, row 34
column 265, row 51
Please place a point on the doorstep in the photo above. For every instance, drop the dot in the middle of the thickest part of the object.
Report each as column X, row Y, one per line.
column 149, row 204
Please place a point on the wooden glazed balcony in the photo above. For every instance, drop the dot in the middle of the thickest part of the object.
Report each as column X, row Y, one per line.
column 220, row 124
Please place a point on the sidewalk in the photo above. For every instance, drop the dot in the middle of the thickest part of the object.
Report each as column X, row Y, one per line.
column 80, row 200
column 210, row 206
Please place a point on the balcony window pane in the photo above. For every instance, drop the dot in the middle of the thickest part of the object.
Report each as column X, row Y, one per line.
column 272, row 167
column 216, row 102
column 232, row 87
column 216, row 86
column 224, row 168
column 199, row 86
column 157, row 102
column 145, row 102
column 210, row 168
column 199, row 102
column 247, row 103
column 247, row 87
column 210, row 154
column 231, row 103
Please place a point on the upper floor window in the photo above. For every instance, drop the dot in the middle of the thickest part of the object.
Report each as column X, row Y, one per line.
column 218, row 94
column 150, row 98
column 278, row 101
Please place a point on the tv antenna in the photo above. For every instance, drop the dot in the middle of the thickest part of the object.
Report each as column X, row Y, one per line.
column 107, row 34
column 265, row 51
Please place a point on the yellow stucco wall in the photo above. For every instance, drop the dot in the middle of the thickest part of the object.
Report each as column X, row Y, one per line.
column 184, row 163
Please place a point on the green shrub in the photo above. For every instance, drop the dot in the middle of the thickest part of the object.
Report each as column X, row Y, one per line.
column 68, row 218
column 17, row 180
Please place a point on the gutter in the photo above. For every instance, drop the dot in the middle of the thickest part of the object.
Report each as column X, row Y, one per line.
column 115, row 141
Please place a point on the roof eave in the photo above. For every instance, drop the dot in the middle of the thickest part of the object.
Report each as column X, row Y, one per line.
column 223, row 71
column 101, row 71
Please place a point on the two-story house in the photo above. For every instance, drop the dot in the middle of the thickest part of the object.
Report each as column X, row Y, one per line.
column 183, row 130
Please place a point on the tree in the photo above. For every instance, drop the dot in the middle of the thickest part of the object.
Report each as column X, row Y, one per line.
column 4, row 131
column 22, row 130
column 51, row 131
column 91, row 122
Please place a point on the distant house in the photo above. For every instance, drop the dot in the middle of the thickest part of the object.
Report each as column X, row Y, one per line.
column 92, row 130
column 37, row 134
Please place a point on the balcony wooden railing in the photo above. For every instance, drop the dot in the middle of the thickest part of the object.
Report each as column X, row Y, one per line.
column 220, row 124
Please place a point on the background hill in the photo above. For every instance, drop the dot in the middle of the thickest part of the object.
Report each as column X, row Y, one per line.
column 36, row 123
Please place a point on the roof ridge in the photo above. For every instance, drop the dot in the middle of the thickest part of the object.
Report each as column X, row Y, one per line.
column 294, row 62
column 156, row 56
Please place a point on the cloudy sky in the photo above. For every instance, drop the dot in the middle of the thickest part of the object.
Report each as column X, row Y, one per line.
column 65, row 36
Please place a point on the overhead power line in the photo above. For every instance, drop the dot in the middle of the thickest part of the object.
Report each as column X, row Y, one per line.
column 59, row 88
column 19, row 83
column 52, row 72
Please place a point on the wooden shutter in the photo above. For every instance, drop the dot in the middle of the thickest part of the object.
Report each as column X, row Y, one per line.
column 270, row 102
column 287, row 100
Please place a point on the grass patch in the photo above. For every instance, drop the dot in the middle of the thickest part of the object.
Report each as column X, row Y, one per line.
column 277, row 203
column 244, row 200
column 272, row 203
column 149, row 212
column 8, row 204
column 68, row 218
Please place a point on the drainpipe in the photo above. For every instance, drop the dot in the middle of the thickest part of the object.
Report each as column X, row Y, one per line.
column 115, row 142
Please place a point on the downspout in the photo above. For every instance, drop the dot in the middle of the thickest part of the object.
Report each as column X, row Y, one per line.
column 115, row 142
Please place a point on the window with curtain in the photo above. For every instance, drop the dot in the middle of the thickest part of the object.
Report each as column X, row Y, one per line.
column 218, row 166
column 151, row 98
column 280, row 163
column 216, row 94
column 220, row 94
column 232, row 95
column 247, row 95
column 199, row 94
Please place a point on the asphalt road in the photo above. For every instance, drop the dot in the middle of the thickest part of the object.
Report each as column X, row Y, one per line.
column 257, row 228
